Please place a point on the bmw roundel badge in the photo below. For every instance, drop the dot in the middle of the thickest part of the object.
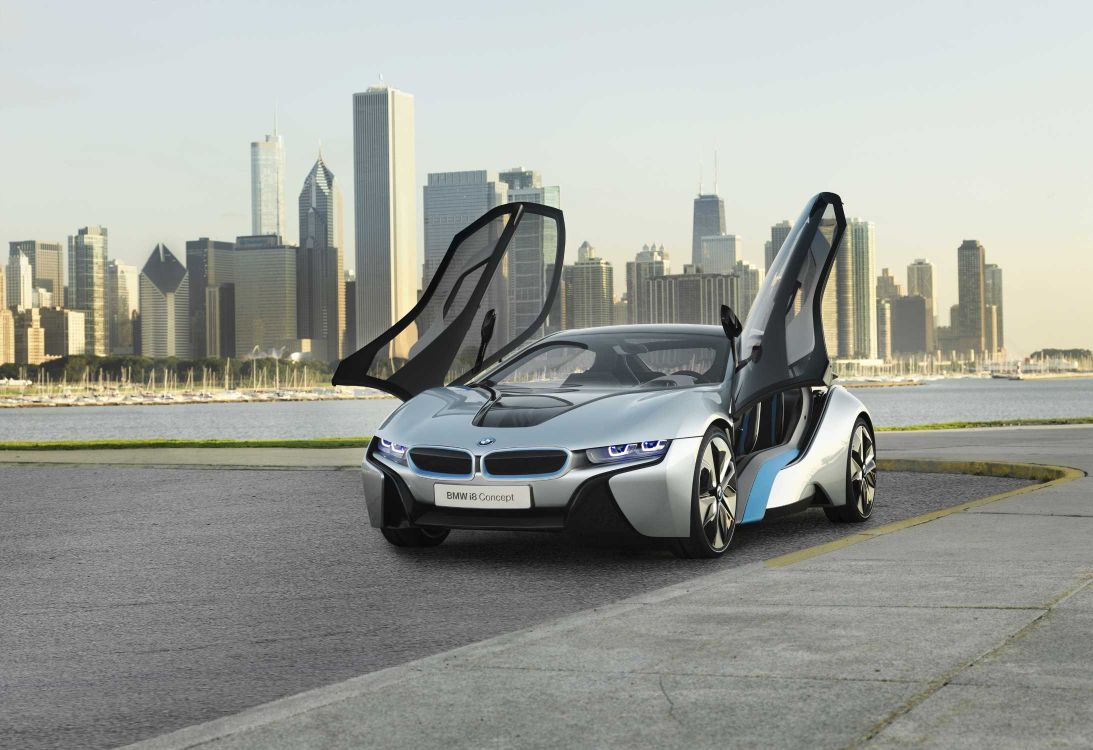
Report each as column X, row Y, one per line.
column 486, row 441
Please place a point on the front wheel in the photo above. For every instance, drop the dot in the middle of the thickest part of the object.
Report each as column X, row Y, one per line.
column 713, row 499
column 415, row 537
column 861, row 476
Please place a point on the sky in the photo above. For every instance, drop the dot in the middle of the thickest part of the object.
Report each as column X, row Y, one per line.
column 937, row 121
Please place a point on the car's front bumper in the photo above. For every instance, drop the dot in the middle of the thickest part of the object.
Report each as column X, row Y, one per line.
column 652, row 498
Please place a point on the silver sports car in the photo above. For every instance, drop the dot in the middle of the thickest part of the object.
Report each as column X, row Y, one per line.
column 673, row 432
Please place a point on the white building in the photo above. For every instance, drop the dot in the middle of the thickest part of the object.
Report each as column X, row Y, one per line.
column 164, row 306
column 385, row 212
column 589, row 290
column 452, row 201
column 720, row 253
column 20, row 282
column 267, row 186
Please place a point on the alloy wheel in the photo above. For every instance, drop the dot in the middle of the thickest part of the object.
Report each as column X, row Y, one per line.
column 717, row 494
column 863, row 469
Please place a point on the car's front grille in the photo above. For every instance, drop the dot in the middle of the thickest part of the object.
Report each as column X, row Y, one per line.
column 524, row 462
column 443, row 461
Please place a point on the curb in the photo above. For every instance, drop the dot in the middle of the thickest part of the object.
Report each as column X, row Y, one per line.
column 1045, row 475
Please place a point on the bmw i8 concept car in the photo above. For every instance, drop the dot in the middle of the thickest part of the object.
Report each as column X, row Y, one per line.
column 675, row 432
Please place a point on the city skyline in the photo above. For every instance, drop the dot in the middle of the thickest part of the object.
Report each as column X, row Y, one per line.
column 918, row 161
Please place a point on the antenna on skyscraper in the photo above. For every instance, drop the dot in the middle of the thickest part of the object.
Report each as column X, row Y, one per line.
column 700, row 178
column 715, row 171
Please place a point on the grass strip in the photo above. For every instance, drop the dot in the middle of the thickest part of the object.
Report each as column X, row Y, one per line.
column 60, row 445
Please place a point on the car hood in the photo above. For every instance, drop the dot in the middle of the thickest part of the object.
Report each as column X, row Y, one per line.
column 458, row 417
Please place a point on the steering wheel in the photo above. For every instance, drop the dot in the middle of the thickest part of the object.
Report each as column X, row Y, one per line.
column 688, row 373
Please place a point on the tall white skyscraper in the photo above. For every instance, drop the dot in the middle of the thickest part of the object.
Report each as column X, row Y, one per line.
column 20, row 282
column 267, row 185
column 863, row 248
column 385, row 212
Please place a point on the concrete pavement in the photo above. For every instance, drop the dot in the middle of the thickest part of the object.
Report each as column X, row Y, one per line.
column 970, row 630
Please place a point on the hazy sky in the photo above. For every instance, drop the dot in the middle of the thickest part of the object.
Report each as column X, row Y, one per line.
column 937, row 121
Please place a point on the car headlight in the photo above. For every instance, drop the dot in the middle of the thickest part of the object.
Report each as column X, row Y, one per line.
column 628, row 451
column 391, row 450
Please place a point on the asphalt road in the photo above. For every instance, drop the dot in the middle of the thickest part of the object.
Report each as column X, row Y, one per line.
column 138, row 601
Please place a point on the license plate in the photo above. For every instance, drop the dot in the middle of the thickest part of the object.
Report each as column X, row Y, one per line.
column 493, row 497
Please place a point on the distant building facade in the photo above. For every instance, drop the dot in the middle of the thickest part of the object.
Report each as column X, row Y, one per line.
column 47, row 263
column 688, row 297
column 64, row 331
column 320, row 314
column 164, row 306
column 122, row 305
column 20, row 282
column 912, row 325
column 651, row 262
column 863, row 247
column 29, row 337
column 778, row 234
column 708, row 220
column 720, row 253
column 970, row 325
column 267, row 186
column 385, row 213
column 198, row 254
column 992, row 295
column 532, row 253
column 589, row 290
column 87, row 257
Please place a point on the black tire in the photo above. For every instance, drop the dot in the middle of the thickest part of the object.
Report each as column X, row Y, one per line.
column 714, row 506
column 415, row 537
column 861, row 476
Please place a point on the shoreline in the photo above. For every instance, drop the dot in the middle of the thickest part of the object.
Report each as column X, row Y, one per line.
column 246, row 397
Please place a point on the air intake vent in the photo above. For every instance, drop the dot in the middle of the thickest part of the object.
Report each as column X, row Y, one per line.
column 524, row 463
column 443, row 461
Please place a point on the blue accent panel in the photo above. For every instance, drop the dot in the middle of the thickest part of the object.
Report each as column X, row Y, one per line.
column 756, row 506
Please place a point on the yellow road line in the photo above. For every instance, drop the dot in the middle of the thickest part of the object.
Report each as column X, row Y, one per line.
column 1044, row 475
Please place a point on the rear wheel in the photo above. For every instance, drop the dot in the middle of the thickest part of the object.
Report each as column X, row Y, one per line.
column 415, row 537
column 861, row 477
column 713, row 499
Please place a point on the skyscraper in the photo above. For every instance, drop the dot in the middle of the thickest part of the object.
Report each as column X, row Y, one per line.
column 46, row 263
column 320, row 314
column 452, row 201
column 920, row 280
column 865, row 287
column 20, row 282
column 87, row 255
column 838, row 302
column 590, row 290
column 651, row 262
column 708, row 221
column 164, row 306
column 887, row 286
column 532, row 252
column 7, row 334
column 385, row 213
column 720, row 253
column 778, row 234
column 688, row 297
column 884, row 328
column 64, row 331
column 912, row 325
column 197, row 269
column 267, row 185
column 992, row 295
column 970, row 325
column 745, row 291
column 122, row 305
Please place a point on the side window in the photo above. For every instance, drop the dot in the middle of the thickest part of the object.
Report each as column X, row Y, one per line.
column 800, row 327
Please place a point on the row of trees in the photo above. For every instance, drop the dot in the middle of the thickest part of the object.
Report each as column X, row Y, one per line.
column 135, row 369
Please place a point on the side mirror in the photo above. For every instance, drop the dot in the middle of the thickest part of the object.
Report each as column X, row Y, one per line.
column 730, row 323
column 488, row 321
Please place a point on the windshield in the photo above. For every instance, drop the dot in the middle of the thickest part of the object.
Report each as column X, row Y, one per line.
column 617, row 361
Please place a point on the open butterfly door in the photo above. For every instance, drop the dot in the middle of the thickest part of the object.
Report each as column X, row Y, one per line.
column 783, row 337
column 492, row 291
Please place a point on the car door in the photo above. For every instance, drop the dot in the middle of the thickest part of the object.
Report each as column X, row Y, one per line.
column 783, row 337
column 490, row 293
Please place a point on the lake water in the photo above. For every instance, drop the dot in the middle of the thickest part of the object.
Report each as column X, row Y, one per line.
column 936, row 401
